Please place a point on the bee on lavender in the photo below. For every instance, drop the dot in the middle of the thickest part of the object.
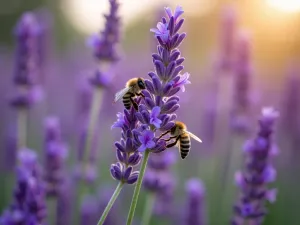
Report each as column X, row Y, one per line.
column 182, row 138
column 133, row 88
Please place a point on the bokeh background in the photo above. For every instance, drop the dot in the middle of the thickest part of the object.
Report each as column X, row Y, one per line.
column 273, row 26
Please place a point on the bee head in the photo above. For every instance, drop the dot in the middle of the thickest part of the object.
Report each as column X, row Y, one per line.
column 141, row 83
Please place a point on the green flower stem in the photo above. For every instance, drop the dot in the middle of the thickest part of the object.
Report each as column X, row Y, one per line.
column 22, row 128
column 110, row 203
column 148, row 209
column 137, row 188
column 93, row 117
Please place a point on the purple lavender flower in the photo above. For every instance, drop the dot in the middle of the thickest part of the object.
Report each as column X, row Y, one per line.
column 89, row 210
column 153, row 117
column 27, row 34
column 258, row 173
column 156, row 110
column 228, row 30
column 104, row 45
column 28, row 206
column 127, row 149
column 146, row 139
column 242, row 76
column 182, row 81
column 27, row 69
column 195, row 209
column 161, row 31
column 64, row 203
column 160, row 180
column 55, row 155
column 291, row 101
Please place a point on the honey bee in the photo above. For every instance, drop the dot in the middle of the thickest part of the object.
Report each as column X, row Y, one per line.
column 182, row 138
column 133, row 88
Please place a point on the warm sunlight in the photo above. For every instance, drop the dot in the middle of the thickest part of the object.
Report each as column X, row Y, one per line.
column 86, row 15
column 289, row 6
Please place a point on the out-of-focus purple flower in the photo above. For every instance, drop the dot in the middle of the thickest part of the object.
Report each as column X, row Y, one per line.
column 160, row 181
column 89, row 210
column 28, row 206
column 242, row 77
column 182, row 81
column 64, row 203
column 161, row 31
column 153, row 117
column 227, row 35
column 146, row 140
column 27, row 33
column 104, row 44
column 55, row 156
column 291, row 106
column 258, row 173
column 195, row 209
column 28, row 98
column 52, row 129
column 27, row 70
column 56, row 153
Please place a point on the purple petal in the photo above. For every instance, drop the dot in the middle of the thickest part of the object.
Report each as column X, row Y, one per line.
column 150, row 144
column 178, row 12
column 142, row 148
column 155, row 111
column 168, row 11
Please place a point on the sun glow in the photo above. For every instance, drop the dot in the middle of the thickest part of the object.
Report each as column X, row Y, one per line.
column 289, row 6
column 86, row 15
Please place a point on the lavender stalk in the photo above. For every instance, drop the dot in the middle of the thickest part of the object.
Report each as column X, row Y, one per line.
column 160, row 101
column 258, row 173
column 26, row 73
column 110, row 203
column 104, row 47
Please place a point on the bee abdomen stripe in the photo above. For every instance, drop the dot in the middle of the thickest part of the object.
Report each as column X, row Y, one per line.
column 184, row 141
column 184, row 152
column 184, row 145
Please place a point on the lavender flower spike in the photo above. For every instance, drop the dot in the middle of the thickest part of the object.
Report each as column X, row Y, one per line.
column 104, row 45
column 160, row 100
column 195, row 210
column 28, row 206
column 258, row 173
column 56, row 153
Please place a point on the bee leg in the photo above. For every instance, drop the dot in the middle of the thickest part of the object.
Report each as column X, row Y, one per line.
column 174, row 143
column 170, row 138
column 140, row 94
column 163, row 134
column 134, row 104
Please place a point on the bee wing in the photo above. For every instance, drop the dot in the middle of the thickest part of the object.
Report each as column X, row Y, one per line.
column 121, row 93
column 193, row 136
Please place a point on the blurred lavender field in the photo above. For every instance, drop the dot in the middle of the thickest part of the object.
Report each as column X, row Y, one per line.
column 60, row 157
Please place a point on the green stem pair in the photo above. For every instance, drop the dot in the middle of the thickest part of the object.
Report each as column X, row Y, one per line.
column 134, row 197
